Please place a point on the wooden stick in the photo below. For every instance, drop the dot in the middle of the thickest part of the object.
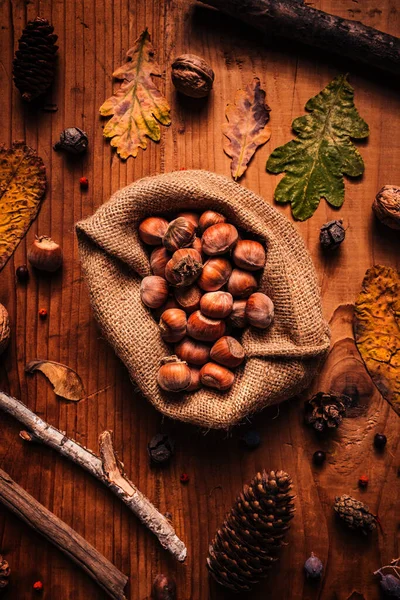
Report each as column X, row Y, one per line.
column 63, row 537
column 106, row 469
column 295, row 20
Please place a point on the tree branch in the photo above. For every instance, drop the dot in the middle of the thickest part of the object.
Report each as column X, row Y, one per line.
column 105, row 469
column 16, row 499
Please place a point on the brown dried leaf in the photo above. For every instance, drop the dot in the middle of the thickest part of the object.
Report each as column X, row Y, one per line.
column 65, row 381
column 377, row 330
column 22, row 185
column 246, row 128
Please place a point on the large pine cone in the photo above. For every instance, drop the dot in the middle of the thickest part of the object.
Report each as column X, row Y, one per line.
column 248, row 542
column 4, row 572
column 354, row 513
column 35, row 60
column 326, row 411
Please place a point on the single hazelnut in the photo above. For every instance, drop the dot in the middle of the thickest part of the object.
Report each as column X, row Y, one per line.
column 188, row 298
column 260, row 310
column 193, row 352
column 386, row 206
column 197, row 245
column 204, row 329
column 45, row 255
column 158, row 260
column 216, row 272
column 192, row 76
column 228, row 352
column 216, row 376
column 153, row 291
column 241, row 284
column 184, row 267
column 237, row 317
column 174, row 375
column 219, row 239
column 5, row 331
column 180, row 234
column 249, row 255
column 170, row 303
column 152, row 230
column 216, row 305
column 193, row 217
column 173, row 325
column 208, row 218
column 195, row 381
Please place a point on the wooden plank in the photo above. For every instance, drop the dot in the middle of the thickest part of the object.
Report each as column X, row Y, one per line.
column 93, row 39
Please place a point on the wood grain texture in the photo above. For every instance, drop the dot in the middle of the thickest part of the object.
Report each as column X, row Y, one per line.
column 93, row 39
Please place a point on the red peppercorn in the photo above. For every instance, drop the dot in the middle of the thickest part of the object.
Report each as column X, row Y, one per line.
column 84, row 182
column 363, row 481
column 184, row 478
column 43, row 313
column 183, row 169
column 38, row 586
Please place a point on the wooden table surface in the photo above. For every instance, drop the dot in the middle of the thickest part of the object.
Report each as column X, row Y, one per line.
column 93, row 36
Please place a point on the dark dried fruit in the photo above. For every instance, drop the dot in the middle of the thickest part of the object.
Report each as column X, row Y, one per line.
column 390, row 586
column 164, row 588
column 160, row 448
column 22, row 273
column 313, row 567
column 326, row 411
column 380, row 440
column 72, row 140
column 355, row 514
column 251, row 439
column 319, row 457
column 332, row 235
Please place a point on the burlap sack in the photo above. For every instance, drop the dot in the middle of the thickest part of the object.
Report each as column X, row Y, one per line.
column 280, row 361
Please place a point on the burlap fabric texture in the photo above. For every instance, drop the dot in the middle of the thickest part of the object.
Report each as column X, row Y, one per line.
column 280, row 361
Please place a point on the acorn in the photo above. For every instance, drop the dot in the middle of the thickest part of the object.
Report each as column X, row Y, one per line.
column 45, row 255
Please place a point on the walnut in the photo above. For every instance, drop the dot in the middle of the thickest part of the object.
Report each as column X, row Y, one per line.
column 4, row 329
column 386, row 206
column 192, row 76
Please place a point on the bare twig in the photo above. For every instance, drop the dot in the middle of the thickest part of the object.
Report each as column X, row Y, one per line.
column 62, row 536
column 105, row 469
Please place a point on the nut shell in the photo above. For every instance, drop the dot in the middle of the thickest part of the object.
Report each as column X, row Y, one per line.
column 216, row 272
column 192, row 76
column 216, row 376
column 204, row 329
column 45, row 255
column 158, row 260
column 241, row 284
column 180, row 234
column 237, row 318
column 152, row 230
column 386, row 206
column 174, row 375
column 173, row 325
column 5, row 331
column 249, row 255
column 184, row 267
column 153, row 291
column 219, row 239
column 193, row 352
column 210, row 217
column 228, row 352
column 260, row 310
column 216, row 305
column 188, row 298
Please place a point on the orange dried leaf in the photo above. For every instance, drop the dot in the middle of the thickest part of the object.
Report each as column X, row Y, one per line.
column 246, row 128
column 65, row 381
column 138, row 106
column 22, row 185
column 377, row 330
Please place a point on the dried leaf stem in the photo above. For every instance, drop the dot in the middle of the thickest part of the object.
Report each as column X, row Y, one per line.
column 16, row 499
column 106, row 469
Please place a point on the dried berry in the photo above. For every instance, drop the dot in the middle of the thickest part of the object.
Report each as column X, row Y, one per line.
column 184, row 478
column 22, row 273
column 390, row 586
column 380, row 440
column 319, row 457
column 164, row 588
column 5, row 572
column 160, row 448
column 313, row 567
column 363, row 481
column 251, row 439
column 38, row 586
column 332, row 235
column 72, row 140
column 84, row 182
column 192, row 76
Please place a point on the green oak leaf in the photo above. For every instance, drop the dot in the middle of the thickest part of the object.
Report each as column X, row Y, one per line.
column 316, row 160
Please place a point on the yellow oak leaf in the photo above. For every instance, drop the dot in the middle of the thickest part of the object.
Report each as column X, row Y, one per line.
column 22, row 185
column 377, row 330
column 246, row 128
column 65, row 381
column 137, row 106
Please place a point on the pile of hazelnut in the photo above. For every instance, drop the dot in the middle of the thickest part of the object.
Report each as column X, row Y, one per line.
column 203, row 286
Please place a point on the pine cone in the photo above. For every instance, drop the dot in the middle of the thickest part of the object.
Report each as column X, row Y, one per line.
column 326, row 411
column 354, row 513
column 248, row 542
column 4, row 572
column 35, row 60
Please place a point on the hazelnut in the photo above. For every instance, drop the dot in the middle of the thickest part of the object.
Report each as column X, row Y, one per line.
column 260, row 310
column 386, row 206
column 228, row 352
column 216, row 376
column 45, row 255
column 188, row 298
column 158, row 260
column 193, row 217
column 193, row 352
column 210, row 217
column 219, row 239
column 204, row 329
column 197, row 245
column 237, row 317
column 216, row 272
column 174, row 375
column 241, row 284
column 195, row 382
column 184, row 267
column 153, row 291
column 192, row 76
column 180, row 234
column 249, row 255
column 216, row 305
column 173, row 325
column 170, row 303
column 5, row 331
column 152, row 230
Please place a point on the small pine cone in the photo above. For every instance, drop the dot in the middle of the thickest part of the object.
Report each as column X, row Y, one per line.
column 326, row 411
column 35, row 60
column 4, row 572
column 354, row 513
column 248, row 542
